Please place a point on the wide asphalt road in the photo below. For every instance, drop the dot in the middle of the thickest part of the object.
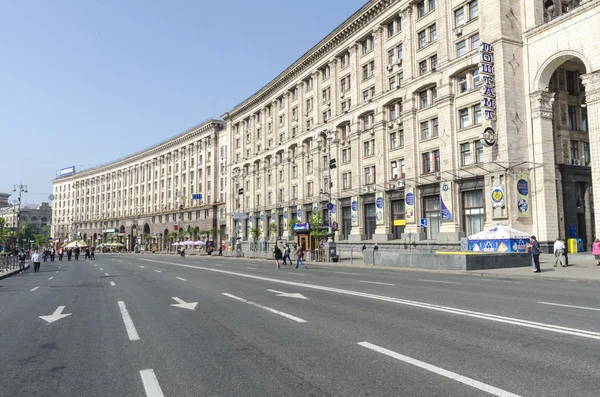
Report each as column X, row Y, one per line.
column 145, row 325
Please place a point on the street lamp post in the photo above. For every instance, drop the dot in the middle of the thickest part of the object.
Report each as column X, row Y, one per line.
column 328, row 137
column 21, row 189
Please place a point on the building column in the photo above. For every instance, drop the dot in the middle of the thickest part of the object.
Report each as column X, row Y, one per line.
column 591, row 81
column 544, row 172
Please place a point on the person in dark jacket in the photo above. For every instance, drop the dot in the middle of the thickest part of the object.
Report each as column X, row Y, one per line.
column 535, row 254
column 278, row 255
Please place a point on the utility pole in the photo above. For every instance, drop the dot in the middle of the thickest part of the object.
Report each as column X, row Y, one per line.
column 21, row 189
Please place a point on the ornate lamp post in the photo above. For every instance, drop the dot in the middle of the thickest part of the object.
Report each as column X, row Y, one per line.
column 21, row 189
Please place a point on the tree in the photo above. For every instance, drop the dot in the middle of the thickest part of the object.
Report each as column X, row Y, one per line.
column 255, row 233
column 194, row 230
column 273, row 229
column 214, row 232
column 291, row 223
column 147, row 239
column 317, row 226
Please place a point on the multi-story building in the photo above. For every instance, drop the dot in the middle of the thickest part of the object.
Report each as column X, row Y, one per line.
column 180, row 182
column 4, row 199
column 456, row 115
column 406, row 89
column 37, row 216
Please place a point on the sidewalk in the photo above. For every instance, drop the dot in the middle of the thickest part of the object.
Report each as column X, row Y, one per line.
column 12, row 272
column 582, row 268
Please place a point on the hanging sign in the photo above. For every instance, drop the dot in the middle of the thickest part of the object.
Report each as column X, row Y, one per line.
column 446, row 200
column 498, row 196
column 354, row 209
column 299, row 213
column 523, row 195
column 379, row 203
column 409, row 204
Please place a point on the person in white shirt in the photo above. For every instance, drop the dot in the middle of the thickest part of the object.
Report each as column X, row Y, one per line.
column 559, row 253
column 36, row 259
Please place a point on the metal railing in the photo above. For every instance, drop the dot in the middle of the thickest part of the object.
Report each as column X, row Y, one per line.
column 8, row 262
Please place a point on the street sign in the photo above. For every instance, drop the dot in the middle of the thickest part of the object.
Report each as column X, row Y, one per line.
column 424, row 222
column 196, row 197
column 239, row 215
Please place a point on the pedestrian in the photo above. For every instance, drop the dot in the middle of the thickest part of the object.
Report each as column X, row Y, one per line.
column 77, row 252
column 278, row 255
column 559, row 253
column 92, row 256
column 535, row 254
column 61, row 252
column 87, row 253
column 286, row 255
column 22, row 259
column 46, row 254
column 300, row 257
column 69, row 254
column 364, row 247
column 220, row 250
column 596, row 251
column 52, row 254
column 36, row 259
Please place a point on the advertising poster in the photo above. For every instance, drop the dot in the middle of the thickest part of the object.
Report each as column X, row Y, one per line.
column 333, row 210
column 379, row 203
column 523, row 195
column 299, row 213
column 261, row 225
column 497, row 196
column 446, row 200
column 315, row 208
column 409, row 204
column 354, row 209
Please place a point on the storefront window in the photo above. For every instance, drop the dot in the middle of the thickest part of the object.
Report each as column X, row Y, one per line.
column 370, row 220
column 346, row 222
column 473, row 212
column 431, row 211
column 398, row 222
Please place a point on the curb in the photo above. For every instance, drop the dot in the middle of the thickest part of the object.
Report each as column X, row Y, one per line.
column 12, row 273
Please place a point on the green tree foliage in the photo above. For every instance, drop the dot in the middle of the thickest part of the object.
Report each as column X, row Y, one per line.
column 255, row 232
column 317, row 228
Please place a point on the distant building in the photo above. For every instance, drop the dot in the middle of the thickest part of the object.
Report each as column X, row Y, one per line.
column 36, row 215
column 4, row 200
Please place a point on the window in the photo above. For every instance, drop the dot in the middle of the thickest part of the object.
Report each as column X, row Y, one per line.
column 586, row 153
column 475, row 78
column 461, row 48
column 308, row 124
column 367, row 45
column 347, row 180
column 392, row 83
column 309, row 167
column 477, row 114
column 475, row 42
column 574, row 151
column 368, row 70
column 401, row 137
column 473, row 211
column 421, row 8
column 422, row 67
column 572, row 118
column 478, row 151
column 398, row 24
column 433, row 60
column 423, row 96
column 459, row 17
column 295, row 171
column 426, row 163
column 370, row 175
column 400, row 50
column 309, row 103
column 394, row 109
column 309, row 188
column 465, row 154
column 369, row 148
column 431, row 5
column 346, row 106
column 325, row 73
column 434, row 127
column 436, row 156
column 462, row 84
column 390, row 29
column 295, row 192
column 392, row 56
column 346, row 155
column 473, row 11
column 433, row 32
column 584, row 124
column 463, row 116
column 345, row 84
column 425, row 130
column 394, row 170
column 393, row 140
column 422, row 37
column 344, row 60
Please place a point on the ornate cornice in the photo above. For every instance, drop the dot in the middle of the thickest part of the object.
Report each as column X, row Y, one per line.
column 541, row 104
column 316, row 54
column 591, row 81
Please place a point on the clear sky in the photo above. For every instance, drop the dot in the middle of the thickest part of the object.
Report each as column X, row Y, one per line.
column 84, row 82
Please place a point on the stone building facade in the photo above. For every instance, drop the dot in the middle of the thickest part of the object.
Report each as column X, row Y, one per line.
column 149, row 192
column 37, row 216
column 443, row 118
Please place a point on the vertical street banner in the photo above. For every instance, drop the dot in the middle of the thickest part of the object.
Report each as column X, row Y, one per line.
column 354, row 210
column 379, row 203
column 446, row 200
column 523, row 195
column 299, row 213
column 409, row 204
column 261, row 225
column 286, row 216
column 315, row 208
column 333, row 210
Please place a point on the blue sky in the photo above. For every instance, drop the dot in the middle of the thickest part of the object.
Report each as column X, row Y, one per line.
column 86, row 82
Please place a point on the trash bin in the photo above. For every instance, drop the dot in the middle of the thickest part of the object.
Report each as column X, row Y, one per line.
column 580, row 245
column 572, row 245
column 331, row 252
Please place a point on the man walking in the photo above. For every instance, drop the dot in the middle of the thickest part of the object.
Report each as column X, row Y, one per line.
column 286, row 255
column 22, row 259
column 559, row 253
column 36, row 259
column 535, row 254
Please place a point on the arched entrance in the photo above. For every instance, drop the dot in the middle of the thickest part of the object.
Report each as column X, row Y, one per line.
column 563, row 159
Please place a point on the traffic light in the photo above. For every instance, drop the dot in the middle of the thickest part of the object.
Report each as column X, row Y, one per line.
column 332, row 164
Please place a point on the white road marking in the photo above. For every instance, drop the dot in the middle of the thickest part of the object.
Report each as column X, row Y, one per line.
column 440, row 371
column 120, row 261
column 50, row 278
column 101, row 269
column 294, row 318
column 57, row 315
column 106, row 274
column 142, row 267
column 438, row 281
column 298, row 273
column 57, row 271
column 150, row 382
column 112, row 283
column 129, row 326
column 251, row 268
column 183, row 304
column 158, row 271
column 574, row 307
column 423, row 305
column 179, row 278
column 288, row 294
column 34, row 288
column 375, row 282
column 95, row 265
column 350, row 274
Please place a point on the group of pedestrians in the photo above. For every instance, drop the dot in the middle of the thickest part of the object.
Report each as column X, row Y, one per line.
column 285, row 256
column 36, row 259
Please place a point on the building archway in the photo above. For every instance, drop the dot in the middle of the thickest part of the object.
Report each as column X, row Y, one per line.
column 559, row 105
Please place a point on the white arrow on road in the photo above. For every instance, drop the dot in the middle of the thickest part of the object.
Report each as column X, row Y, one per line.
column 288, row 295
column 56, row 315
column 182, row 304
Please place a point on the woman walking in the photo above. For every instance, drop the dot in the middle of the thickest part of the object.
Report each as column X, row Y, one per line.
column 278, row 255
column 299, row 256
column 596, row 251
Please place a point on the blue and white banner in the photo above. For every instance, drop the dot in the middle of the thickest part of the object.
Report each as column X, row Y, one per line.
column 446, row 200
column 379, row 204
